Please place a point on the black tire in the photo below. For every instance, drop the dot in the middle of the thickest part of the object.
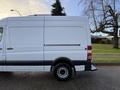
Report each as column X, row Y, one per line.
column 62, row 72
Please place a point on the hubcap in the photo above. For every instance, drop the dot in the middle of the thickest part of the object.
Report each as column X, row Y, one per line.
column 62, row 72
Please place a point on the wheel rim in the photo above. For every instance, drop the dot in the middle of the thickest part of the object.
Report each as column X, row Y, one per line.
column 62, row 72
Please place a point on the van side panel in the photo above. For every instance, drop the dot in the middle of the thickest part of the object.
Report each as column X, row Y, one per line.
column 24, row 44
column 65, row 37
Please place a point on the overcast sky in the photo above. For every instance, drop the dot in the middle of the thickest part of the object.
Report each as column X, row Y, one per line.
column 30, row 7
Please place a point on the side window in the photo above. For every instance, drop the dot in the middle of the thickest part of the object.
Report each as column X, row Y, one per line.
column 1, row 33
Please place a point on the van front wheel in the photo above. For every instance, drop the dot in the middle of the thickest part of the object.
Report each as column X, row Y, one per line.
column 62, row 71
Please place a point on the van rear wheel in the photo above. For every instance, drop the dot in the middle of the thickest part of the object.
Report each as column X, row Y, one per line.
column 62, row 71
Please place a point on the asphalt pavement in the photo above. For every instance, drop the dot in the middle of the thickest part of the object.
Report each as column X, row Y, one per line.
column 105, row 78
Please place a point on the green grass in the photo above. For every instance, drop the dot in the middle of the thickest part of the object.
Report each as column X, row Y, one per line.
column 106, row 60
column 104, row 48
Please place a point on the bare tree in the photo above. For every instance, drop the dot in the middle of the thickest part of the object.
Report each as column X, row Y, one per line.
column 105, row 15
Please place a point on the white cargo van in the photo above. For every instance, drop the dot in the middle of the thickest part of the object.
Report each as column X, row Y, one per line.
column 60, row 44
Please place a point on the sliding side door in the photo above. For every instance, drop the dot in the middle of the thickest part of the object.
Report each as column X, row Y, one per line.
column 24, row 46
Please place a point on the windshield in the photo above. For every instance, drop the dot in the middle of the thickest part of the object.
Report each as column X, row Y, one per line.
column 1, row 33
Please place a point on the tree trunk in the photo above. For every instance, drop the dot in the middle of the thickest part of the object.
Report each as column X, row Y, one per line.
column 116, row 39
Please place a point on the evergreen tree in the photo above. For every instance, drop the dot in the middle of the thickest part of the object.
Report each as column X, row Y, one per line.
column 57, row 9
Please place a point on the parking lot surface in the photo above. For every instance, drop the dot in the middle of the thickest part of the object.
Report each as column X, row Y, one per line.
column 105, row 78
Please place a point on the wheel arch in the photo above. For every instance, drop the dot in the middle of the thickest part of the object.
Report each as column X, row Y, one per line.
column 63, row 60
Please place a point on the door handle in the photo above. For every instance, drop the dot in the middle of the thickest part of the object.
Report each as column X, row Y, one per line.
column 9, row 48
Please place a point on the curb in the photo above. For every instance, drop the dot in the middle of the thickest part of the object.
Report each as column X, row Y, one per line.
column 107, row 64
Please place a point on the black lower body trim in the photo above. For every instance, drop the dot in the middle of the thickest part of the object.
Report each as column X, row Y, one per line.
column 43, row 62
column 26, row 63
column 79, row 62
